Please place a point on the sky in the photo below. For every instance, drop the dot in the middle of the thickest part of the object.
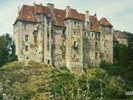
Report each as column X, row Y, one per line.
column 118, row 12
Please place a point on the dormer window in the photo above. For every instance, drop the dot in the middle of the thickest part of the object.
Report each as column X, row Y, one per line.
column 26, row 37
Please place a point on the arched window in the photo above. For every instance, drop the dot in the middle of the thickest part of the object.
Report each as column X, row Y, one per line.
column 92, row 34
column 85, row 34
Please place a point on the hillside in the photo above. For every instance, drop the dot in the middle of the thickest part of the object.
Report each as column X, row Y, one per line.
column 42, row 82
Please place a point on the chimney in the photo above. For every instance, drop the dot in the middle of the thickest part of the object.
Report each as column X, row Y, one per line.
column 87, row 15
column 19, row 10
column 67, row 10
column 50, row 5
column 95, row 14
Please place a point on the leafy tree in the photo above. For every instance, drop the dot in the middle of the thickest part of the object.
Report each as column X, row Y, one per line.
column 130, row 48
column 95, row 83
column 7, row 49
column 121, row 55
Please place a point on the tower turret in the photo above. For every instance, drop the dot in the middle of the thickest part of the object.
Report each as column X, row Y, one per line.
column 74, row 30
column 106, row 40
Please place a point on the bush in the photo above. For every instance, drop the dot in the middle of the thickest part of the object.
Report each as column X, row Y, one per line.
column 36, row 64
column 40, row 82
column 12, row 66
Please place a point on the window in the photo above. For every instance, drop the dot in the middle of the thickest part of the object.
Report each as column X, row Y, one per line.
column 91, row 24
column 27, row 58
column 63, row 43
column 96, row 55
column 48, row 34
column 26, row 37
column 104, row 44
column 96, row 44
column 48, row 45
column 48, row 61
column 48, row 41
column 75, row 23
column 97, row 36
column 75, row 44
column 92, row 34
column 35, row 37
column 86, row 34
column 26, row 48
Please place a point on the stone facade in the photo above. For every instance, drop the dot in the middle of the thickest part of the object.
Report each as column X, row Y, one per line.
column 60, row 38
column 120, row 37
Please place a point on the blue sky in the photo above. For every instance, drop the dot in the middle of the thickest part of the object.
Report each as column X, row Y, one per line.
column 118, row 12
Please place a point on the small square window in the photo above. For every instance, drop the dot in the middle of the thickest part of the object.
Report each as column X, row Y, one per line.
column 75, row 44
column 96, row 55
column 96, row 44
column 26, row 48
column 26, row 37
column 63, row 43
column 27, row 58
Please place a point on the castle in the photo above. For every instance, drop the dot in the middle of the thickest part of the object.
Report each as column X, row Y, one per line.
column 59, row 37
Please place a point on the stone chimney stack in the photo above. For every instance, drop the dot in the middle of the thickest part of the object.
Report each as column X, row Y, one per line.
column 50, row 5
column 18, row 10
column 87, row 15
column 67, row 10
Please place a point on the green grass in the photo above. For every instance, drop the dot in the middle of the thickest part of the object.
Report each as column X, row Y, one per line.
column 37, row 81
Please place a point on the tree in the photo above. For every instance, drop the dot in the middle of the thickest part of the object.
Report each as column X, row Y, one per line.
column 95, row 83
column 7, row 49
column 121, row 55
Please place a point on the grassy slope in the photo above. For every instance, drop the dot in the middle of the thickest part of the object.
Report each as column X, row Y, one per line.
column 25, row 81
column 39, row 81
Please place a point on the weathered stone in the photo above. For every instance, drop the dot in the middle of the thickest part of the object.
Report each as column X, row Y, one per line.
column 74, row 45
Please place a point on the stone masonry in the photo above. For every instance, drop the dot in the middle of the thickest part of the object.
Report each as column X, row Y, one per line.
column 62, row 38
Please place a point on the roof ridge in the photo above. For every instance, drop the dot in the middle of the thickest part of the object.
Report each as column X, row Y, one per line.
column 105, row 22
column 28, row 13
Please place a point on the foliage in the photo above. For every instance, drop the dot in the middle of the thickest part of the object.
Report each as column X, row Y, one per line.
column 24, row 82
column 89, row 85
column 125, row 73
column 123, row 62
column 7, row 49
column 121, row 55
column 42, row 82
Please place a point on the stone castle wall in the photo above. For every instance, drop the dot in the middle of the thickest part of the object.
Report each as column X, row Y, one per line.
column 73, row 45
